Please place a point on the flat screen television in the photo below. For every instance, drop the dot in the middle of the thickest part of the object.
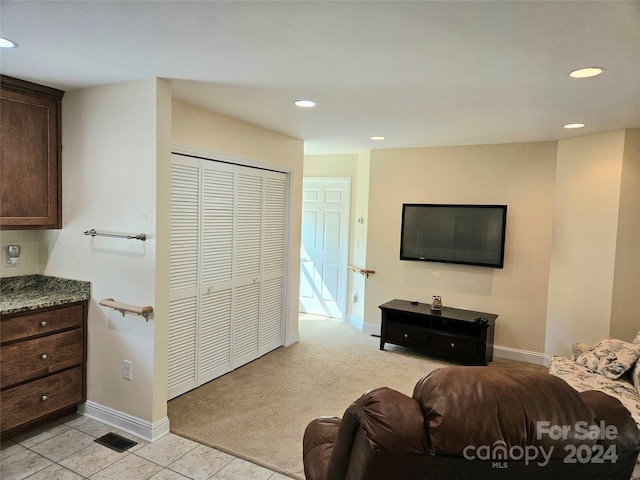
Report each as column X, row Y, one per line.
column 465, row 234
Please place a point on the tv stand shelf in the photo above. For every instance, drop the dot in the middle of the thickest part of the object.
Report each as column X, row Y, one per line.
column 462, row 335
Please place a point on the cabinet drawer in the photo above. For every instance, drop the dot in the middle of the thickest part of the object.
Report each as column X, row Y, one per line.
column 402, row 334
column 40, row 356
column 29, row 325
column 453, row 344
column 32, row 400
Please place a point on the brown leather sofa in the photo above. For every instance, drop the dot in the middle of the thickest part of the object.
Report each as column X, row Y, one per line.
column 475, row 423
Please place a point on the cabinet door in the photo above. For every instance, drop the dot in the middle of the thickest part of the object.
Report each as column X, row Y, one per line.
column 40, row 356
column 33, row 400
column 29, row 151
column 454, row 345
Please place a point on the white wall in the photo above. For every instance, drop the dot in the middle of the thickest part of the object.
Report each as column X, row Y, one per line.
column 163, row 246
column 518, row 175
column 109, row 164
column 585, row 231
column 359, row 241
column 31, row 261
column 625, row 301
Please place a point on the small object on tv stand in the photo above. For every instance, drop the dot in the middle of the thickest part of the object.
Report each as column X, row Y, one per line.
column 436, row 302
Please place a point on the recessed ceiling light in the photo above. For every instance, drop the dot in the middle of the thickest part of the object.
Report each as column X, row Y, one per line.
column 6, row 43
column 304, row 103
column 587, row 72
column 574, row 125
column 378, row 138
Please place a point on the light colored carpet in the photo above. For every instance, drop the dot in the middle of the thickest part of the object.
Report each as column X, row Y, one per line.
column 259, row 412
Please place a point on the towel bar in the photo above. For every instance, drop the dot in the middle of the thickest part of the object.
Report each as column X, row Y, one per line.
column 94, row 233
column 123, row 308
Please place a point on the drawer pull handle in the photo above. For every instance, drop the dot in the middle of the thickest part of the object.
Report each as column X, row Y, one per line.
column 43, row 323
column 406, row 335
column 453, row 345
column 44, row 398
column 44, row 356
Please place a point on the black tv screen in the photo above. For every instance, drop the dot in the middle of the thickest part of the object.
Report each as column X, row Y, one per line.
column 465, row 234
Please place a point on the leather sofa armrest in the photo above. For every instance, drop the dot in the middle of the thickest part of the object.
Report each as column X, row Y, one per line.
column 391, row 421
column 317, row 445
column 611, row 413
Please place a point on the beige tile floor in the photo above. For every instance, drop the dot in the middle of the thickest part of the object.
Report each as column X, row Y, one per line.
column 66, row 450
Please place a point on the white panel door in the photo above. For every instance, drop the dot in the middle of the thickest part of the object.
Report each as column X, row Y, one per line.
column 324, row 248
column 183, row 275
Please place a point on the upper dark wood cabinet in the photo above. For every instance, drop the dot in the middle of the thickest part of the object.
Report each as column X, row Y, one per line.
column 30, row 155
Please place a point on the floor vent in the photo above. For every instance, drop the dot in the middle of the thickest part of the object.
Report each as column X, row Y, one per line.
column 115, row 442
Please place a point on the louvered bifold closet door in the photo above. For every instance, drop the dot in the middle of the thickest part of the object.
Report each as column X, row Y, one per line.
column 217, row 224
column 227, row 268
column 183, row 275
column 247, row 261
column 273, row 261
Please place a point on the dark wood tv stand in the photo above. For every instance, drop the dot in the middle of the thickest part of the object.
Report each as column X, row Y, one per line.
column 462, row 335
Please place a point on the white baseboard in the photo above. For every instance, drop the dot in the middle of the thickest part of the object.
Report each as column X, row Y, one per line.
column 520, row 355
column 355, row 321
column 291, row 339
column 133, row 425
column 372, row 328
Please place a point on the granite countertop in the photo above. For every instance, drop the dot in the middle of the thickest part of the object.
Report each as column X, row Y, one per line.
column 30, row 292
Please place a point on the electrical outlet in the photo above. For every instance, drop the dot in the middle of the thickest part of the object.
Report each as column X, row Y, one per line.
column 126, row 369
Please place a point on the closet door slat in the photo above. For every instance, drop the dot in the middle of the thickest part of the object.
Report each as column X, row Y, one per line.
column 272, row 309
column 182, row 346
column 183, row 276
column 217, row 222
column 246, row 324
column 275, row 204
column 183, row 261
column 248, row 219
column 215, row 335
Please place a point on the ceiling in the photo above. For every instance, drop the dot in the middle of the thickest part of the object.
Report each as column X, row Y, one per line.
column 421, row 73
